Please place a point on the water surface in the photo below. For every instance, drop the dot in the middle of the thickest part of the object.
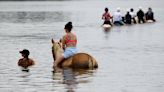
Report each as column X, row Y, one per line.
column 130, row 58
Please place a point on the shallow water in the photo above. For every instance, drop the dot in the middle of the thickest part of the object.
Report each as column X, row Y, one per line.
column 130, row 58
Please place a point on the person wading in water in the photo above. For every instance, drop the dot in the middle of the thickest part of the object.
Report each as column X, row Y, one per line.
column 25, row 62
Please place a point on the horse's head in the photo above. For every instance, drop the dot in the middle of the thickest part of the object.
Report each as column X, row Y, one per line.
column 56, row 48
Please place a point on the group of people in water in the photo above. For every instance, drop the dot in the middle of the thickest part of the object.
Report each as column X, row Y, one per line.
column 69, row 40
column 129, row 18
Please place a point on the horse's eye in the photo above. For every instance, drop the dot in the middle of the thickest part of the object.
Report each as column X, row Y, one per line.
column 59, row 44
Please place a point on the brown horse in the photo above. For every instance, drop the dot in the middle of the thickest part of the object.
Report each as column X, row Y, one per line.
column 79, row 60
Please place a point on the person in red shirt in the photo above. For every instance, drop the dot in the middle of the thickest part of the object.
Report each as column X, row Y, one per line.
column 106, row 17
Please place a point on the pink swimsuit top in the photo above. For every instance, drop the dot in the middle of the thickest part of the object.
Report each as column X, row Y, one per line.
column 69, row 41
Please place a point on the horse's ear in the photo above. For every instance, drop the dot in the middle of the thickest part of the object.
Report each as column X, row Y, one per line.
column 52, row 40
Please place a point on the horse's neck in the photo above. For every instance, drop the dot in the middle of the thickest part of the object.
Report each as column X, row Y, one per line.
column 59, row 53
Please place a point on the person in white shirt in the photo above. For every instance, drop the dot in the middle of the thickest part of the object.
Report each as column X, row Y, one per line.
column 133, row 15
column 117, row 18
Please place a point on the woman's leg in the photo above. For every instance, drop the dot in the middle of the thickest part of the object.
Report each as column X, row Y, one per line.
column 58, row 60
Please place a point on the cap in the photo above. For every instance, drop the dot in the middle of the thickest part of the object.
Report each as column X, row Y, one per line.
column 118, row 9
column 25, row 51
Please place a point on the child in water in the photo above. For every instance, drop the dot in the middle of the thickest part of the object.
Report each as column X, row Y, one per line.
column 25, row 62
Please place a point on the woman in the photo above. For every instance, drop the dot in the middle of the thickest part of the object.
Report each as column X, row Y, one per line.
column 69, row 42
column 106, row 17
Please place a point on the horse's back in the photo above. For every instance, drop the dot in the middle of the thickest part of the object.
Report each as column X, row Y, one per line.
column 149, row 21
column 80, row 60
column 106, row 26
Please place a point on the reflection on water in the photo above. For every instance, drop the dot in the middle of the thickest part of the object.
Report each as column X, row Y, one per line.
column 33, row 17
column 72, row 77
column 106, row 32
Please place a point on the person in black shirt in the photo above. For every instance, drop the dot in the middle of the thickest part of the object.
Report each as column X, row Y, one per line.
column 140, row 15
column 150, row 15
column 128, row 18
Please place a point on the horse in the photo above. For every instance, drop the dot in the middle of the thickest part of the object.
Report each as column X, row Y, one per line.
column 78, row 61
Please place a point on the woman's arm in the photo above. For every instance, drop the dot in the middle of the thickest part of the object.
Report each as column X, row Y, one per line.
column 63, row 42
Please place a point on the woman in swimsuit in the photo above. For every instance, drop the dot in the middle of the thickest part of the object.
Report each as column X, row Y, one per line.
column 69, row 42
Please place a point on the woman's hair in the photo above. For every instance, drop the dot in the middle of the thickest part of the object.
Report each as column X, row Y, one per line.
column 106, row 9
column 68, row 26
